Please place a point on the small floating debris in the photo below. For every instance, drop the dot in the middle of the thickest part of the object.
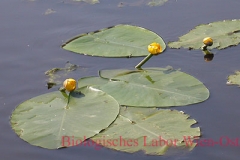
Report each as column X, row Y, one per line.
column 49, row 11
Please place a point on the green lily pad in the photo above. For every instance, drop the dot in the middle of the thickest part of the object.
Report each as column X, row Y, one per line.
column 142, row 2
column 224, row 34
column 88, row 1
column 89, row 81
column 44, row 120
column 117, row 41
column 234, row 79
column 151, row 87
column 156, row 2
column 150, row 130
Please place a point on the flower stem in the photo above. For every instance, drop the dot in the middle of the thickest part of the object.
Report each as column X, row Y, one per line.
column 204, row 48
column 205, row 52
column 143, row 61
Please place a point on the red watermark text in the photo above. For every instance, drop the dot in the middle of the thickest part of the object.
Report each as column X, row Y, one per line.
column 145, row 141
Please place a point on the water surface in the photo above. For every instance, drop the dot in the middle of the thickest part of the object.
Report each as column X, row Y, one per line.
column 30, row 44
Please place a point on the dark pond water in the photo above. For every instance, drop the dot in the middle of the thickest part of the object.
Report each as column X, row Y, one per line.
column 30, row 44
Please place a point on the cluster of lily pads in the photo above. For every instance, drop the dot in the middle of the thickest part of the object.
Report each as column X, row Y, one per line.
column 123, row 105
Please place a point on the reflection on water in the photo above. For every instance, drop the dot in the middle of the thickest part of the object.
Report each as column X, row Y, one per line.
column 208, row 56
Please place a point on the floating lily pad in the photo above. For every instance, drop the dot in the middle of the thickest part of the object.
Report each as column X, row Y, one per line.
column 224, row 34
column 117, row 41
column 234, row 79
column 143, row 2
column 88, row 1
column 150, row 130
column 150, row 87
column 89, row 81
column 44, row 120
column 157, row 2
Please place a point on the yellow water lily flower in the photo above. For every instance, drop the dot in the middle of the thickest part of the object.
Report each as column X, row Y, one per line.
column 208, row 41
column 154, row 48
column 69, row 84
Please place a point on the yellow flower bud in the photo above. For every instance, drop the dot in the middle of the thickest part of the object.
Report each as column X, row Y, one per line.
column 208, row 41
column 154, row 48
column 69, row 84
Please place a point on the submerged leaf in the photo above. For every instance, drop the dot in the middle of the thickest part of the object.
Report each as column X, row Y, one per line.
column 224, row 34
column 152, row 87
column 234, row 79
column 117, row 41
column 56, row 76
column 150, row 130
column 45, row 120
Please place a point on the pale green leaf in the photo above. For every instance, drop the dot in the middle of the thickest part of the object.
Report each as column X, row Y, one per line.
column 142, row 2
column 234, row 79
column 224, row 34
column 44, row 120
column 157, row 2
column 89, row 81
column 88, row 1
column 150, row 130
column 117, row 41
